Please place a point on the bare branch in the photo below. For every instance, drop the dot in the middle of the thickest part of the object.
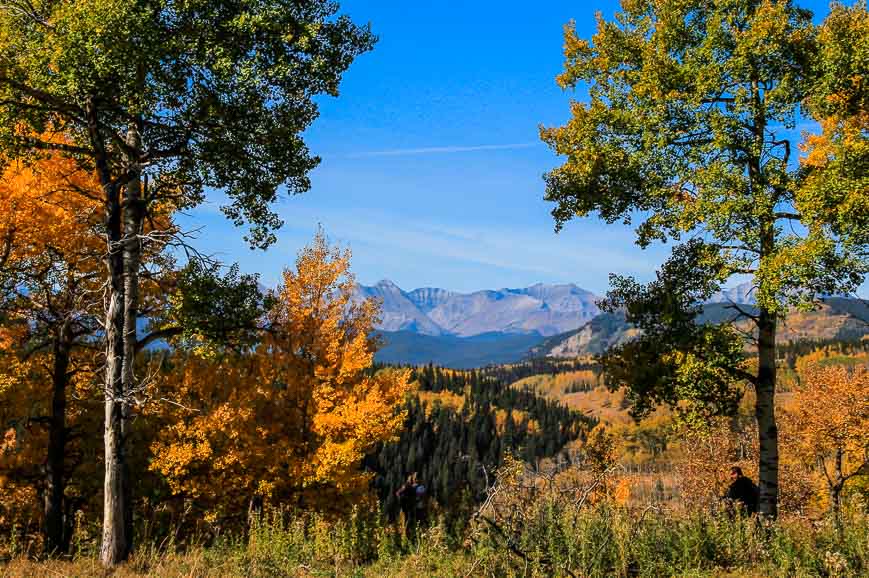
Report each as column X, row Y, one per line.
column 156, row 336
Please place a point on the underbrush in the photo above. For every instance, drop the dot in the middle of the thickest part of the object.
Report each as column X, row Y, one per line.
column 543, row 539
column 566, row 522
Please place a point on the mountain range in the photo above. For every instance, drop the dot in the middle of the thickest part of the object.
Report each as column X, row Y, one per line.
column 834, row 318
column 540, row 309
column 465, row 330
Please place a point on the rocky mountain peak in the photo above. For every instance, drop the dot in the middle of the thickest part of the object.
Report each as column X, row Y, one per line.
column 542, row 309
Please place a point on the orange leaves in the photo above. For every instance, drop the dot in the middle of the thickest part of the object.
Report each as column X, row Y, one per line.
column 11, row 367
column 825, row 427
column 830, row 413
column 837, row 134
column 323, row 347
column 46, row 207
column 291, row 420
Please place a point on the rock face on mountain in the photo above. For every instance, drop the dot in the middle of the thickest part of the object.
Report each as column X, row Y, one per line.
column 593, row 338
column 428, row 298
column 542, row 309
column 398, row 312
column 833, row 318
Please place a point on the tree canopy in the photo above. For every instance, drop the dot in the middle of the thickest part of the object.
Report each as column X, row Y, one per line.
column 219, row 92
column 162, row 101
column 290, row 420
column 690, row 128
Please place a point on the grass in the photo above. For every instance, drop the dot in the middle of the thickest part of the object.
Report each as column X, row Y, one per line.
column 597, row 540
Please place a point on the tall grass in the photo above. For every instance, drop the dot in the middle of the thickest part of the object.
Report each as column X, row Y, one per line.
column 610, row 541
column 598, row 540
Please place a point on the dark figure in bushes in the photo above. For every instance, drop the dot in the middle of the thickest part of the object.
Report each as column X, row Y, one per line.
column 407, row 501
column 742, row 493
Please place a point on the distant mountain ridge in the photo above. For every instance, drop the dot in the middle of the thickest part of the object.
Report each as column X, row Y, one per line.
column 455, row 329
column 540, row 309
column 834, row 318
column 429, row 298
column 543, row 309
column 742, row 293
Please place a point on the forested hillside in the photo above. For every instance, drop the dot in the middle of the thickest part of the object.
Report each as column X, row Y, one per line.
column 407, row 347
column 834, row 318
column 462, row 424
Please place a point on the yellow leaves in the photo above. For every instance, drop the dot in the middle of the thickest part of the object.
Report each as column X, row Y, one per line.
column 265, row 488
column 44, row 206
column 10, row 368
column 837, row 134
column 830, row 412
column 294, row 418
column 622, row 492
column 10, row 441
column 600, row 448
column 825, row 425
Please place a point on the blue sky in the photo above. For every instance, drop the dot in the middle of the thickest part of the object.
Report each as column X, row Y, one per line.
column 431, row 164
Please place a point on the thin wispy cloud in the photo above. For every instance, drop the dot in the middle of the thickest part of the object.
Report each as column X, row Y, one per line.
column 426, row 252
column 443, row 150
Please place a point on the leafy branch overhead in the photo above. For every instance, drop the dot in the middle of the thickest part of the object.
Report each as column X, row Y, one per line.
column 206, row 309
column 690, row 123
column 676, row 357
column 219, row 92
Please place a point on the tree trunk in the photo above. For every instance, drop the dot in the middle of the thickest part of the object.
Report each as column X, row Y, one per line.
column 55, row 482
column 836, row 493
column 116, row 539
column 115, row 546
column 765, row 414
column 133, row 216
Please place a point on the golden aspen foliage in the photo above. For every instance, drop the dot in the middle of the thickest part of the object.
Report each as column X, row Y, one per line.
column 52, row 274
column 806, row 365
column 826, row 426
column 17, row 455
column 600, row 449
column 622, row 491
column 446, row 398
column 51, row 222
column 50, row 278
column 45, row 213
column 290, row 421
column 835, row 158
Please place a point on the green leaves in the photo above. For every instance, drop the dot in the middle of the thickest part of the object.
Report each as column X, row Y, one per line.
column 213, row 310
column 670, row 127
column 688, row 128
column 219, row 91
column 675, row 358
